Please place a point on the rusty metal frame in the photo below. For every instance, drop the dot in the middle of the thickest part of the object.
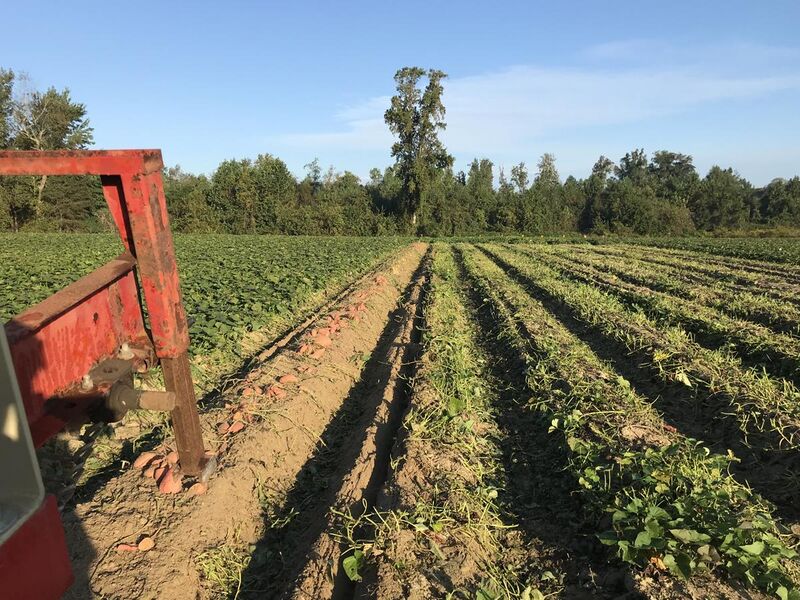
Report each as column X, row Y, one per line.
column 57, row 342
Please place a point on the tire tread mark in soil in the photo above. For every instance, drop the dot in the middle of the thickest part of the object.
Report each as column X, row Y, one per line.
column 707, row 418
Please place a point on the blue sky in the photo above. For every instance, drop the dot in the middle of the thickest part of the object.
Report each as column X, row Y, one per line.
column 206, row 81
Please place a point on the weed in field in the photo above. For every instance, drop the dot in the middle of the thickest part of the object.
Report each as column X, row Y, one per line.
column 222, row 570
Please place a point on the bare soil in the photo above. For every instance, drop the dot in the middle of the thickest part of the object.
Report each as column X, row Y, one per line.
column 268, row 500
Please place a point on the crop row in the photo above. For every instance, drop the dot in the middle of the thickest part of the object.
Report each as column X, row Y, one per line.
column 779, row 352
column 231, row 284
column 756, row 267
column 783, row 250
column 444, row 488
column 750, row 305
column 765, row 410
column 698, row 266
column 671, row 502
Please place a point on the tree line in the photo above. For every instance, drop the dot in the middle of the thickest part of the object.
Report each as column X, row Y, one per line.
column 420, row 194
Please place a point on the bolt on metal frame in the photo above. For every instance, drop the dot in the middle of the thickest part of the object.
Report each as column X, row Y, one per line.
column 100, row 319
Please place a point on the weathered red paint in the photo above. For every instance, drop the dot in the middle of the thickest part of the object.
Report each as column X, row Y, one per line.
column 81, row 162
column 34, row 564
column 57, row 342
column 158, row 271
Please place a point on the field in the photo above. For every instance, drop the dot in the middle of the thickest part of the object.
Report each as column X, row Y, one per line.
column 774, row 249
column 455, row 420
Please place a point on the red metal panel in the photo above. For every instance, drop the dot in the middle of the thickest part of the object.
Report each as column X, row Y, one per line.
column 68, row 347
column 55, row 343
column 34, row 563
column 112, row 190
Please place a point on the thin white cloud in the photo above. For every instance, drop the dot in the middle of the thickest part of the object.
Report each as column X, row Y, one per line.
column 721, row 57
column 505, row 112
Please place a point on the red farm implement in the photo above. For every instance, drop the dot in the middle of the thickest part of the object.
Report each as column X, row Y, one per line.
column 72, row 358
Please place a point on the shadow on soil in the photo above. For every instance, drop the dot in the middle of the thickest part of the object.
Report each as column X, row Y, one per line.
column 774, row 361
column 213, row 398
column 694, row 413
column 538, row 493
column 280, row 556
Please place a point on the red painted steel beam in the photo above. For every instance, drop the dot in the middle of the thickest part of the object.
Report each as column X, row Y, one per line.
column 134, row 191
column 80, row 162
column 34, row 318
column 158, row 269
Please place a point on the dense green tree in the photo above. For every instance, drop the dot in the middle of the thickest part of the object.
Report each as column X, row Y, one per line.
column 721, row 200
column 547, row 175
column 480, row 194
column 594, row 188
column 275, row 187
column 225, row 195
column 780, row 202
column 574, row 197
column 420, row 193
column 503, row 217
column 547, row 213
column 6, row 89
column 633, row 166
column 629, row 208
column 187, row 202
column 416, row 117
column 385, row 189
column 48, row 120
column 71, row 203
column 520, row 178
column 675, row 177
column 630, row 202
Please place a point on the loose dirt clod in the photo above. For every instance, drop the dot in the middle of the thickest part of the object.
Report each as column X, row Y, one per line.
column 288, row 378
column 323, row 340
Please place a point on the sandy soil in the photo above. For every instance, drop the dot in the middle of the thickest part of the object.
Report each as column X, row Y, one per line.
column 264, row 468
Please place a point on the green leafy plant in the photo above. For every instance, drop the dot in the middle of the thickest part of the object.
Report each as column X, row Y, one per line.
column 676, row 507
